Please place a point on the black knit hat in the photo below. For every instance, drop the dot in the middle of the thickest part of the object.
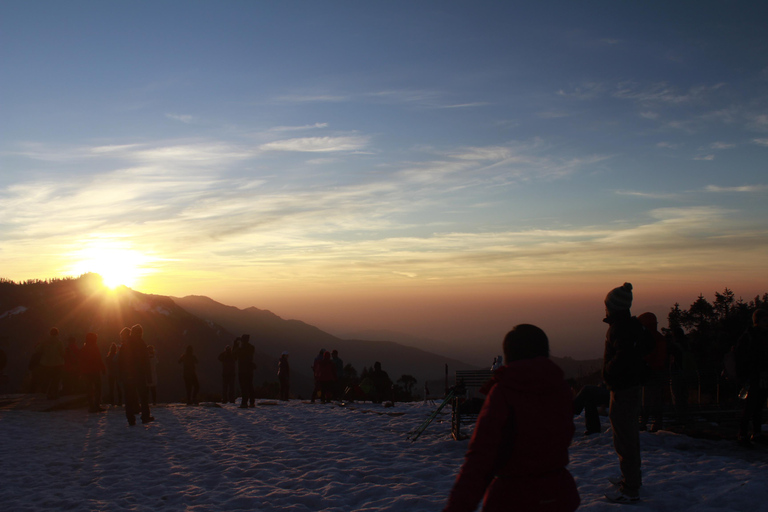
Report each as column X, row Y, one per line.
column 620, row 298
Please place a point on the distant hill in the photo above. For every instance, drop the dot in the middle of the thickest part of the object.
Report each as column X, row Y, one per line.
column 78, row 306
column 273, row 335
column 573, row 368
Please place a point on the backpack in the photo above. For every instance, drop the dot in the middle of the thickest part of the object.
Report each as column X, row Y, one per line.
column 644, row 346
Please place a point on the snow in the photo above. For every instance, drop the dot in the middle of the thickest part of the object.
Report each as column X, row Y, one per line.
column 15, row 311
column 300, row 457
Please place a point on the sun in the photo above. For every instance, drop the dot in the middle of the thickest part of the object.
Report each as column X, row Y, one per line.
column 116, row 265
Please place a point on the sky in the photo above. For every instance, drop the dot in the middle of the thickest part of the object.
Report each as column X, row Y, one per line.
column 442, row 169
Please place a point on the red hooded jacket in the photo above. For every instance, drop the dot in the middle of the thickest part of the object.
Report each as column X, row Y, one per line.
column 517, row 456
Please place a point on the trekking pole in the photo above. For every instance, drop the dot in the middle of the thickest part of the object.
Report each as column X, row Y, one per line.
column 414, row 435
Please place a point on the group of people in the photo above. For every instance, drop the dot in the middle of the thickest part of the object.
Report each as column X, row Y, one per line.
column 518, row 452
column 328, row 372
column 237, row 364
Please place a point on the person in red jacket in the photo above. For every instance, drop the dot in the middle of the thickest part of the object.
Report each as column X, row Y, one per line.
column 518, row 453
column 92, row 368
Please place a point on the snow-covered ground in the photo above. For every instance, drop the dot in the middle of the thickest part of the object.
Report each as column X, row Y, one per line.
column 302, row 457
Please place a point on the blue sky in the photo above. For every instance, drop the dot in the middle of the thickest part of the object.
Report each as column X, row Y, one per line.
column 314, row 158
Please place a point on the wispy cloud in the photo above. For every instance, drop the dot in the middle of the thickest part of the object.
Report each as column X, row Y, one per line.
column 722, row 145
column 707, row 158
column 667, row 145
column 311, row 98
column 662, row 93
column 743, row 188
column 317, row 144
column 647, row 195
column 183, row 118
column 466, row 105
column 761, row 142
column 298, row 128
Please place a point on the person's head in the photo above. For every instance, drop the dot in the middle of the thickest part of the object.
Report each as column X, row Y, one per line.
column 327, row 356
column 137, row 331
column 284, row 355
column 649, row 321
column 91, row 338
column 619, row 299
column 322, row 351
column 190, row 350
column 377, row 365
column 760, row 319
column 228, row 349
column 245, row 339
column 54, row 331
column 525, row 341
column 125, row 333
column 335, row 353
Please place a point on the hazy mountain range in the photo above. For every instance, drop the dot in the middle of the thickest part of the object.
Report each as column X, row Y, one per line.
column 78, row 306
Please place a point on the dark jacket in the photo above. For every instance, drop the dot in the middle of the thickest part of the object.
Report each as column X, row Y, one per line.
column 627, row 343
column 752, row 355
column 326, row 370
column 228, row 361
column 90, row 359
column 133, row 361
column 188, row 361
column 244, row 356
column 518, row 453
column 283, row 369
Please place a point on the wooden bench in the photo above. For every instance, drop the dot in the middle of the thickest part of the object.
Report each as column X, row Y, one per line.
column 468, row 401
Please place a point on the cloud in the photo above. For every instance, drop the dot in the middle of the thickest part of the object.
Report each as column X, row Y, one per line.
column 466, row 105
column 722, row 145
column 649, row 115
column 744, row 188
column 183, row 118
column 586, row 91
column 707, row 158
column 553, row 114
column 667, row 145
column 761, row 142
column 648, row 195
column 317, row 144
column 662, row 93
column 311, row 98
column 298, row 128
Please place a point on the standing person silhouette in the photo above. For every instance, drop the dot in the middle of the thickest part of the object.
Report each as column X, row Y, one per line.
column 92, row 368
column 624, row 371
column 245, row 369
column 135, row 371
column 752, row 367
column 284, row 376
column 191, row 383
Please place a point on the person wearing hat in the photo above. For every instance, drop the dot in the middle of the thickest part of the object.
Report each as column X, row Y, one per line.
column 624, row 371
column 284, row 376
column 752, row 369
